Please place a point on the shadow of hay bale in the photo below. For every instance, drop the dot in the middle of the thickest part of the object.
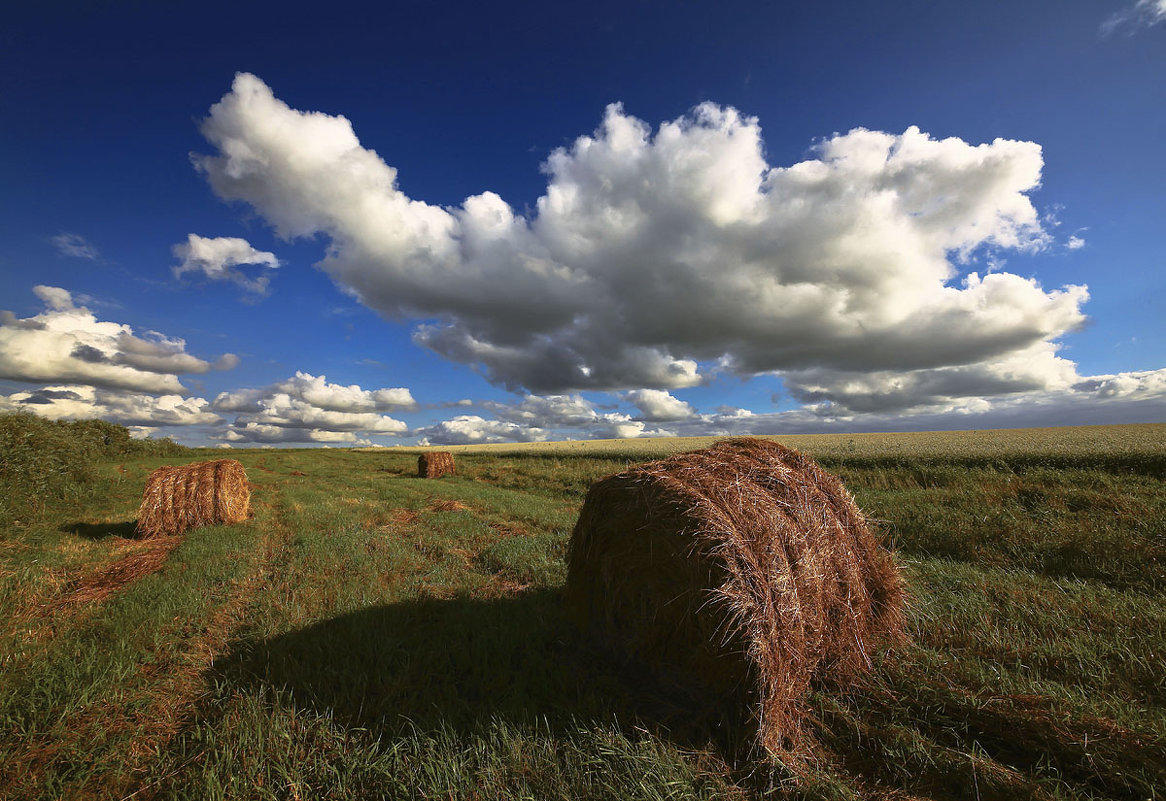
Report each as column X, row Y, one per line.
column 461, row 663
column 430, row 666
column 127, row 529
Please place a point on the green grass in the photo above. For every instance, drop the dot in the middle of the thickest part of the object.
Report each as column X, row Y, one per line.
column 47, row 463
column 369, row 634
column 1136, row 442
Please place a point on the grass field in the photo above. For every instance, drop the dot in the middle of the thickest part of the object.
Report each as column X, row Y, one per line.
column 369, row 634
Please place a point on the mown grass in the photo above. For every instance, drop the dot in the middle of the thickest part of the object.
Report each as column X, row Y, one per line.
column 373, row 635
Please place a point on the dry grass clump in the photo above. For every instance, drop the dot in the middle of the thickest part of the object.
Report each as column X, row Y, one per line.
column 435, row 464
column 742, row 572
column 131, row 567
column 192, row 495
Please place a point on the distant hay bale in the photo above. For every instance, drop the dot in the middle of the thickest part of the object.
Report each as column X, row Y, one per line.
column 740, row 573
column 435, row 464
column 192, row 495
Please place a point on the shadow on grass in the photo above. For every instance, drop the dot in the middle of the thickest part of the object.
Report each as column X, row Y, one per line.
column 462, row 663
column 921, row 729
column 99, row 531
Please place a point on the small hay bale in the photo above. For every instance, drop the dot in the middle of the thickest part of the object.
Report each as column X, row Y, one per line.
column 740, row 573
column 192, row 495
column 435, row 464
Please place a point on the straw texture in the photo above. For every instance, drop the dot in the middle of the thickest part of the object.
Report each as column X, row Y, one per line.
column 741, row 573
column 435, row 464
column 200, row 494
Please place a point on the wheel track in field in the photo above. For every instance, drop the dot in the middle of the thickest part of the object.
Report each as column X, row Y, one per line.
column 170, row 688
column 174, row 699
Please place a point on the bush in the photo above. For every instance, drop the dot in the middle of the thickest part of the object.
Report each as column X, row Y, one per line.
column 44, row 463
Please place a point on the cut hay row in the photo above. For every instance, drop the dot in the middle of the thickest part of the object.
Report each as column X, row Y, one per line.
column 200, row 494
column 129, row 568
column 435, row 464
column 742, row 573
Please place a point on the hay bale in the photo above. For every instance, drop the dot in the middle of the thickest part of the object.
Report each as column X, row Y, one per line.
column 740, row 573
column 192, row 495
column 435, row 464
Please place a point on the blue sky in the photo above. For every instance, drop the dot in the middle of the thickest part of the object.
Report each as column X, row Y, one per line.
column 273, row 224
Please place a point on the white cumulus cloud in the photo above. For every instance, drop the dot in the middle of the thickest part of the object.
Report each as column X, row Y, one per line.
column 315, row 391
column 535, row 417
column 616, row 425
column 659, row 405
column 653, row 254
column 470, row 429
column 549, row 411
column 351, row 398
column 67, row 344
column 268, row 435
column 283, row 410
column 1134, row 397
column 1136, row 386
column 1034, row 368
column 306, row 408
column 80, row 402
column 219, row 259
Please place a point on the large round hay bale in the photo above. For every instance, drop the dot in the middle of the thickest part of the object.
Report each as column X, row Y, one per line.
column 192, row 495
column 435, row 464
column 741, row 573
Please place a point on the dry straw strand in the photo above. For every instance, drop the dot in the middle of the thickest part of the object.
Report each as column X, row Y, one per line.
column 129, row 568
column 187, row 496
column 435, row 464
column 743, row 572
